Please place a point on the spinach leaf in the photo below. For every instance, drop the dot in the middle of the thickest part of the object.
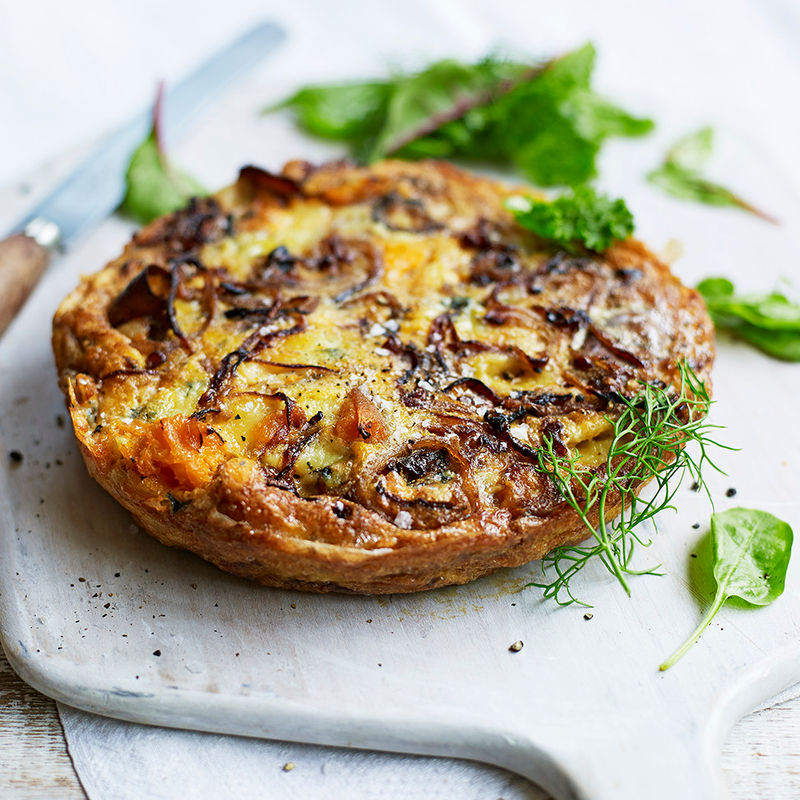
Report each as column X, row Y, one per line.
column 581, row 216
column 544, row 120
column 771, row 322
column 154, row 187
column 751, row 555
column 680, row 176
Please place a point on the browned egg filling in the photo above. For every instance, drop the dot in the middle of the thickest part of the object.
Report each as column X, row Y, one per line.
column 320, row 340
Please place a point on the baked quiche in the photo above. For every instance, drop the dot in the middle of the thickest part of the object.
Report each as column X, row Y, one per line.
column 337, row 378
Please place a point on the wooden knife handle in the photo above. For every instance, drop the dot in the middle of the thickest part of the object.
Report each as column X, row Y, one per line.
column 22, row 263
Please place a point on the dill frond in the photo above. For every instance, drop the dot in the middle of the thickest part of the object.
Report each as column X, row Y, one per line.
column 661, row 435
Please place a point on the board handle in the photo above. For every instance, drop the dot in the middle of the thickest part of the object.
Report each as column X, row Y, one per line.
column 23, row 259
column 658, row 765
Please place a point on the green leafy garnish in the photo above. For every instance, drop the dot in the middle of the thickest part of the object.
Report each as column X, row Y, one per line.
column 771, row 322
column 342, row 112
column 652, row 438
column 544, row 120
column 581, row 216
column 680, row 176
column 751, row 555
column 154, row 187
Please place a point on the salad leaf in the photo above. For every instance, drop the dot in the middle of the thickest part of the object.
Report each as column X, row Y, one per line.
column 598, row 118
column 771, row 322
column 752, row 549
column 693, row 150
column 552, row 128
column 341, row 112
column 154, row 187
column 445, row 91
column 680, row 176
column 580, row 216
column 544, row 120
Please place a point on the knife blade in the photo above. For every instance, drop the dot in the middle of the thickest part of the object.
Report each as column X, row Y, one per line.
column 97, row 185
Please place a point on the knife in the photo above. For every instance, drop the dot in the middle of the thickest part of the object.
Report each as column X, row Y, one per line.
column 97, row 185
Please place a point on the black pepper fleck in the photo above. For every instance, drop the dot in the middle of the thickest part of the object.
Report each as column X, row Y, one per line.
column 156, row 652
column 731, row 492
column 15, row 456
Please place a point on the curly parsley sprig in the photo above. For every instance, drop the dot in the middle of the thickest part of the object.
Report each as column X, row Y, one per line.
column 581, row 217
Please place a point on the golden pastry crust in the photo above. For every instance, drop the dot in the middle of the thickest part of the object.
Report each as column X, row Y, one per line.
column 337, row 378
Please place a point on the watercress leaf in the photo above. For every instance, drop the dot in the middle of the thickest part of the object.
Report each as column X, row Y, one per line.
column 341, row 111
column 752, row 549
column 579, row 217
column 153, row 186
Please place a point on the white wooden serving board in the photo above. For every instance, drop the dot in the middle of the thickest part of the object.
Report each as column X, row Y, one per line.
column 87, row 599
